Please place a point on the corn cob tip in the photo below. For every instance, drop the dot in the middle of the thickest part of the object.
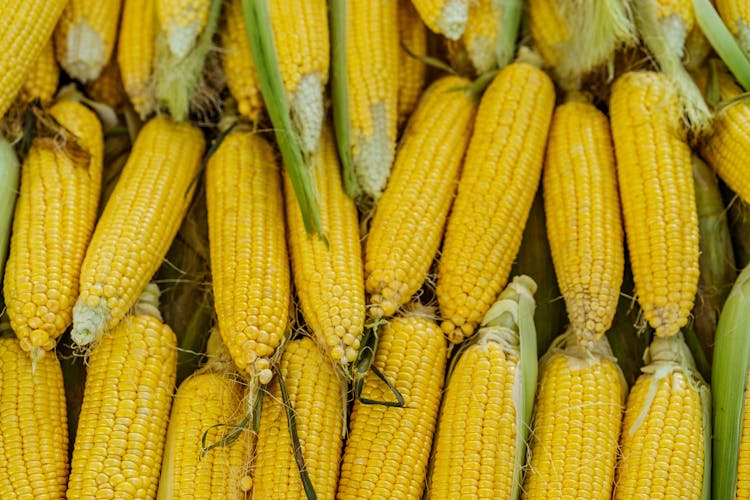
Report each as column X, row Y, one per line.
column 86, row 52
column 504, row 312
column 308, row 111
column 453, row 19
column 89, row 322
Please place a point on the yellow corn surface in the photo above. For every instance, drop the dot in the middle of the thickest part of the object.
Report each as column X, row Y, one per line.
column 107, row 88
column 135, row 53
column 481, row 34
column 743, row 460
column 387, row 448
column 41, row 81
column 412, row 34
column 54, row 218
column 33, row 425
column 315, row 395
column 446, row 17
column 181, row 21
column 549, row 29
column 239, row 69
column 736, row 16
column 408, row 223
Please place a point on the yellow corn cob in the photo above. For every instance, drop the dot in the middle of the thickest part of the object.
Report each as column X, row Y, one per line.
column 388, row 448
column 138, row 224
column 315, row 396
column 583, row 216
column 446, row 17
column 577, row 418
column 33, row 425
column 372, row 58
column 54, row 219
column 249, row 261
column 743, row 457
column 202, row 404
column 412, row 34
column 135, row 53
column 481, row 34
column 123, row 422
column 182, row 21
column 549, row 29
column 408, row 223
column 107, row 88
column 728, row 144
column 736, row 15
column 658, row 197
column 25, row 29
column 328, row 274
column 41, row 81
column 474, row 453
column 663, row 432
column 85, row 37
column 242, row 79
column 502, row 169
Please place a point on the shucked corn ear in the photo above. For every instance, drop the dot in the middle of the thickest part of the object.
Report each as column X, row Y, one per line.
column 577, row 418
column 328, row 274
column 446, row 17
column 181, row 22
column 123, row 421
column 412, row 34
column 315, row 397
column 408, row 223
column 736, row 16
column 658, row 197
column 135, row 53
column 138, row 224
column 388, row 447
column 85, row 36
column 41, row 81
column 33, row 425
column 502, row 168
column 237, row 61
column 482, row 33
column 249, row 262
column 55, row 215
column 10, row 172
column 583, row 216
column 25, row 29
column 665, row 433
column 478, row 450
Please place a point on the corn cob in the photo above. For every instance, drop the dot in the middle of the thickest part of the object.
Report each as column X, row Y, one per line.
column 33, row 425
column 412, row 34
column 577, row 418
column 203, row 403
column 408, row 223
column 135, row 53
column 107, row 88
column 370, row 89
column 736, row 16
column 237, row 61
column 664, row 432
column 123, row 422
column 583, row 216
column 10, row 171
column 137, row 226
column 478, row 451
column 743, row 458
column 388, row 448
column 182, row 21
column 446, row 17
column 502, row 168
column 41, row 81
column 25, row 29
column 315, row 398
column 658, row 197
column 85, row 37
column 53, row 222
column 328, row 274
column 482, row 33
column 249, row 260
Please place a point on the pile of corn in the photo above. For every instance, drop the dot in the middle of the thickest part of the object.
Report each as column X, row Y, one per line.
column 400, row 249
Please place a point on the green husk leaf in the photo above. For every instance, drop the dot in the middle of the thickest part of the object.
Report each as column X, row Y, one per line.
column 729, row 376
column 511, row 12
column 739, row 226
column 260, row 35
column 722, row 41
column 10, row 170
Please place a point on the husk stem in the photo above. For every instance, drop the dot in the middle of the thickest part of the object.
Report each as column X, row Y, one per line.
column 260, row 36
column 729, row 376
column 10, row 170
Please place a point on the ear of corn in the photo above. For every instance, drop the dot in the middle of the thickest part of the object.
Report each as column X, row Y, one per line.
column 583, row 216
column 315, row 397
column 54, row 219
column 388, row 448
column 502, row 168
column 736, row 16
column 412, row 34
column 123, row 422
column 205, row 407
column 33, row 425
column 577, row 418
column 482, row 33
column 446, row 17
column 10, row 172
column 249, row 262
column 85, row 36
column 658, row 197
column 237, row 60
column 138, row 224
column 135, row 53
column 478, row 450
column 665, row 433
column 328, row 275
column 408, row 223
column 41, row 81
column 182, row 22
column 25, row 29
